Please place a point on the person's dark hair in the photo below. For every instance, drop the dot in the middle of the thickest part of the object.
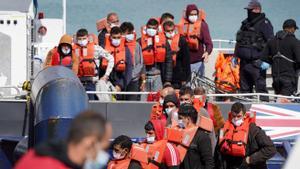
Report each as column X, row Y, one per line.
column 123, row 141
column 186, row 90
column 152, row 22
column 127, row 26
column 165, row 16
column 237, row 107
column 149, row 126
column 168, row 23
column 199, row 91
column 115, row 30
column 87, row 123
column 188, row 110
column 82, row 32
column 111, row 14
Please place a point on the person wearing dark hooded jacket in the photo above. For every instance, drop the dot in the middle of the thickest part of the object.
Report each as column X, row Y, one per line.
column 253, row 35
column 283, row 53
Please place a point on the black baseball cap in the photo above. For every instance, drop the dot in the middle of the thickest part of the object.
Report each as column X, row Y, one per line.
column 253, row 4
column 290, row 23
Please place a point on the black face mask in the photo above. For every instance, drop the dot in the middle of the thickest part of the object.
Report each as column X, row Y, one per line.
column 252, row 15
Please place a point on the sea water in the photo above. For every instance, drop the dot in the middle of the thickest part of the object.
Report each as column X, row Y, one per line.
column 223, row 16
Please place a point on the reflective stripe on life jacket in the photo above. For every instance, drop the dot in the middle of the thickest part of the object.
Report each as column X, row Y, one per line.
column 154, row 48
column 191, row 31
column 56, row 60
column 87, row 64
column 227, row 76
column 137, row 153
column 155, row 153
column 118, row 52
column 233, row 140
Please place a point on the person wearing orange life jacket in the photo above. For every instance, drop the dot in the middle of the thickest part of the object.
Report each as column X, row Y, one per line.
column 195, row 148
column 187, row 95
column 111, row 20
column 242, row 144
column 63, row 55
column 180, row 55
column 138, row 80
column 122, row 71
column 89, row 54
column 157, row 56
column 195, row 29
column 161, row 153
column 127, row 155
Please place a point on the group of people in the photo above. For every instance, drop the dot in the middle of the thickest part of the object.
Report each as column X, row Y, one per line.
column 183, row 132
column 167, row 53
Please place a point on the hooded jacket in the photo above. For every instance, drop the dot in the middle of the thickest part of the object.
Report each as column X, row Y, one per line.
column 65, row 39
column 205, row 41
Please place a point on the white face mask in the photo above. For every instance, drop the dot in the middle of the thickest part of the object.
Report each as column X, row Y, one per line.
column 113, row 25
column 65, row 51
column 193, row 18
column 118, row 156
column 116, row 42
column 181, row 124
column 169, row 111
column 161, row 101
column 129, row 37
column 82, row 42
column 150, row 139
column 170, row 35
column 100, row 161
column 151, row 32
column 238, row 122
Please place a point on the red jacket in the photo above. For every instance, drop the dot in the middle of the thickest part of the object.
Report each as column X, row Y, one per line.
column 33, row 161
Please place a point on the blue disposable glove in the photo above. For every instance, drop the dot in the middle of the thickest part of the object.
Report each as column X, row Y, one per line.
column 264, row 66
column 234, row 61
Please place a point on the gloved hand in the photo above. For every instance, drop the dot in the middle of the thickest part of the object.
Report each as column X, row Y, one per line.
column 264, row 66
column 234, row 61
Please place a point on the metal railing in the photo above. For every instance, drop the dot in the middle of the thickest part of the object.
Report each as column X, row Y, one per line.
column 12, row 87
column 223, row 41
column 257, row 95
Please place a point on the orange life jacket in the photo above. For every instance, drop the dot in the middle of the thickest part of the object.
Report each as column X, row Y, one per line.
column 119, row 54
column 184, row 137
column 156, row 111
column 233, row 140
column 175, row 47
column 227, row 75
column 198, row 103
column 154, row 48
column 191, row 31
column 56, row 60
column 155, row 153
column 132, row 46
column 87, row 64
column 137, row 153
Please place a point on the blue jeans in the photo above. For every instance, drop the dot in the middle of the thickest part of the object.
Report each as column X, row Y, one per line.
column 198, row 68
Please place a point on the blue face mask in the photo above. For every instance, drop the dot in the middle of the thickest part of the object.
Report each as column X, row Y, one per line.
column 98, row 163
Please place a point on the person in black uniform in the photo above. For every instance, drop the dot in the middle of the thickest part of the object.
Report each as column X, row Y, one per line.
column 283, row 53
column 253, row 35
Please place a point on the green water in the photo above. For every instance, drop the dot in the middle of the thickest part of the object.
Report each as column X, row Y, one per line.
column 223, row 16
